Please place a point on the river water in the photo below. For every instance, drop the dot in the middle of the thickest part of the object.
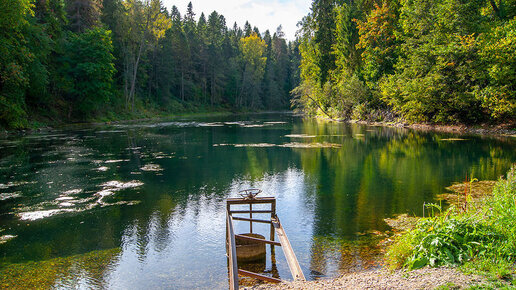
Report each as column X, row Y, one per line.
column 142, row 205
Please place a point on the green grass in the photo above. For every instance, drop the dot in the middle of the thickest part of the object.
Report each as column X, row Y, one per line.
column 447, row 286
column 481, row 239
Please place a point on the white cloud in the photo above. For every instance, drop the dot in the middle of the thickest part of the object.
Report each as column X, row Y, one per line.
column 264, row 14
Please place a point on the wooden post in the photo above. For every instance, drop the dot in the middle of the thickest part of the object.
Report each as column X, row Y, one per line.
column 250, row 217
column 273, row 215
column 233, row 266
column 292, row 262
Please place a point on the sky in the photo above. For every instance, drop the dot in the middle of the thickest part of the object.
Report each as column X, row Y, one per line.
column 264, row 14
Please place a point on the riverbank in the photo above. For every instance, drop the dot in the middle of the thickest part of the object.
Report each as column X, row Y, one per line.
column 495, row 130
column 426, row 278
column 468, row 245
column 124, row 118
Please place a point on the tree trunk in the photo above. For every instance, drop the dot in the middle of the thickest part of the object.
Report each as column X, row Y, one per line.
column 126, row 77
column 495, row 8
column 241, row 97
column 135, row 72
column 182, row 86
column 212, row 89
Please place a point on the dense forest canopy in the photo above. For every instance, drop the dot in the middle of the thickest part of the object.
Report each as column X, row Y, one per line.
column 75, row 60
column 444, row 61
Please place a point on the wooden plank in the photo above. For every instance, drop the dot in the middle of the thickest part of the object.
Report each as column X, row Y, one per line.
column 247, row 211
column 251, row 220
column 259, row 276
column 259, row 240
column 259, row 200
column 292, row 262
column 233, row 265
column 273, row 214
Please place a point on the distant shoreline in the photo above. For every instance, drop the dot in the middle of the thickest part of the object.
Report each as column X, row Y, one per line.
column 482, row 129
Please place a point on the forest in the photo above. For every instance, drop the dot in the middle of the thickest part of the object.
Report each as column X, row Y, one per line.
column 81, row 60
column 438, row 61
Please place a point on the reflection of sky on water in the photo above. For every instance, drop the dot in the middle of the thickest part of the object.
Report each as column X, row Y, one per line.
column 157, row 192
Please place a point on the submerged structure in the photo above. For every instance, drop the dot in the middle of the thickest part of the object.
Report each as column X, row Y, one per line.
column 251, row 246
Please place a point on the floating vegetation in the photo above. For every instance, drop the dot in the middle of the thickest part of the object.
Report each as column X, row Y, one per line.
column 287, row 145
column 251, row 125
column 117, row 185
column 5, row 238
column 254, row 125
column 234, row 123
column 58, row 272
column 475, row 191
column 256, row 145
column 9, row 195
column 64, row 198
column 110, row 131
column 161, row 155
column 129, row 202
column 65, row 202
column 402, row 222
column 116, row 161
column 275, row 123
column 72, row 191
column 151, row 167
column 36, row 215
column 216, row 124
column 110, row 187
column 300, row 136
column 311, row 145
column 14, row 184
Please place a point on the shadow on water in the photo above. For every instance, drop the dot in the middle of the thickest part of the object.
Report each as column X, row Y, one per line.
column 156, row 192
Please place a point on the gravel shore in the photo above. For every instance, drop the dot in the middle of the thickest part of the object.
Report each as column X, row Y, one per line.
column 426, row 278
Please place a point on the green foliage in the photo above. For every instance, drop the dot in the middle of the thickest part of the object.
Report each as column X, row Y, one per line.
column 483, row 239
column 15, row 61
column 89, row 70
column 252, row 49
column 452, row 242
column 498, row 95
column 378, row 42
column 78, row 59
column 324, row 16
column 445, row 61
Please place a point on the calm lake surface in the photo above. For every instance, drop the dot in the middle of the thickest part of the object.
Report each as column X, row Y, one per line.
column 142, row 205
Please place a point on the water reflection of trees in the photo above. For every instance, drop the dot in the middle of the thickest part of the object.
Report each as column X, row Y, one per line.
column 384, row 171
column 376, row 173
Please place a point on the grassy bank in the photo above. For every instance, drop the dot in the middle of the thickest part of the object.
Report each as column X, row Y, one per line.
column 479, row 237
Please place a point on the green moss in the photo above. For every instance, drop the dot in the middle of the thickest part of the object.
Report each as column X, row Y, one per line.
column 49, row 273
